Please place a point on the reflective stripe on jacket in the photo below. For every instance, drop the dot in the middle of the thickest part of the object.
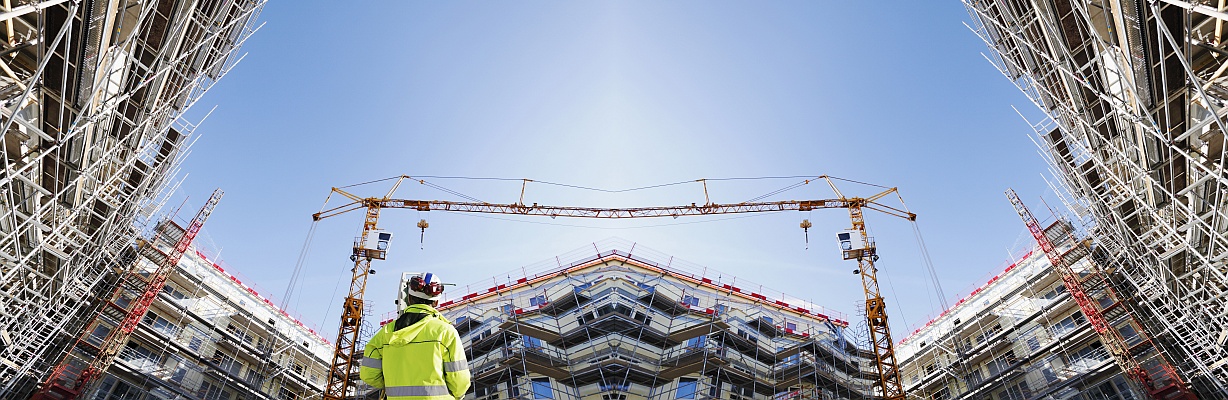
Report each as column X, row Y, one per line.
column 424, row 361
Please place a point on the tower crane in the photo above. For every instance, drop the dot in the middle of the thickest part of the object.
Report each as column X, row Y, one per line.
column 86, row 361
column 856, row 244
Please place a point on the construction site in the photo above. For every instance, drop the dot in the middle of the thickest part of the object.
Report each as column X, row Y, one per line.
column 108, row 290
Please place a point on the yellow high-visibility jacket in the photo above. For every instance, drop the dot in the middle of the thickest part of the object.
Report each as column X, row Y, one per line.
column 424, row 361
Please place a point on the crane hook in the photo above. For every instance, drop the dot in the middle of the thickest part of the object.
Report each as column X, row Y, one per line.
column 806, row 228
column 422, row 237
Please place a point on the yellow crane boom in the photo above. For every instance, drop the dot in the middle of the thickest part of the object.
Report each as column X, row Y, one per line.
column 342, row 371
column 609, row 213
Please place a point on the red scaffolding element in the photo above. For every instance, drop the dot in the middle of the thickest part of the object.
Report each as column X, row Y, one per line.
column 86, row 361
column 1160, row 381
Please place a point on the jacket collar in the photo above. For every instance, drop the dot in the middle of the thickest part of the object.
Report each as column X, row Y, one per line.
column 425, row 309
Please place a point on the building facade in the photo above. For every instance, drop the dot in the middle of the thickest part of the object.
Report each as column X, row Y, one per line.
column 618, row 321
column 92, row 95
column 1020, row 336
column 209, row 336
column 1134, row 93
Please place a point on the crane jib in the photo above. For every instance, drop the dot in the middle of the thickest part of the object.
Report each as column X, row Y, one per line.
column 596, row 212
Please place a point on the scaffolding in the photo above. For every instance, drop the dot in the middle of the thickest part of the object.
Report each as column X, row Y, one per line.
column 135, row 292
column 1023, row 336
column 209, row 335
column 618, row 321
column 93, row 93
column 1133, row 94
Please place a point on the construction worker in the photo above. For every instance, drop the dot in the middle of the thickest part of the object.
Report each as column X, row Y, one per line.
column 419, row 356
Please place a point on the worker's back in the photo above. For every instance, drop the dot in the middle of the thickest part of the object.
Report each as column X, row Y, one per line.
column 418, row 356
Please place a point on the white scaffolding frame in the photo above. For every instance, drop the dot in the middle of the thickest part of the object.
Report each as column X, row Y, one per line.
column 1135, row 131
column 94, row 129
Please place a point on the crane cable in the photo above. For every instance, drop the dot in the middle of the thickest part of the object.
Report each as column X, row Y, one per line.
column 925, row 258
column 311, row 232
column 306, row 248
column 769, row 194
column 781, row 190
column 603, row 190
column 614, row 227
column 422, row 180
column 898, row 305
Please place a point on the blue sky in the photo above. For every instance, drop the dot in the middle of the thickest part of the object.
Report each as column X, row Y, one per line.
column 615, row 95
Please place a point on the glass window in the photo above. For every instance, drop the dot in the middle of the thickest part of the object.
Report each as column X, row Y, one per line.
column 1123, row 388
column 104, row 387
column 1067, row 324
column 1033, row 343
column 180, row 372
column 174, row 292
column 973, row 378
column 160, row 324
column 1049, row 375
column 480, row 391
column 210, row 391
column 686, row 388
column 621, row 309
column 532, row 342
column 1018, row 391
column 254, row 377
column 99, row 334
column 285, row 393
column 541, row 388
column 124, row 390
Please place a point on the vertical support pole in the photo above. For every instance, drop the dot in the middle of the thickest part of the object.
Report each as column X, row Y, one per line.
column 342, row 370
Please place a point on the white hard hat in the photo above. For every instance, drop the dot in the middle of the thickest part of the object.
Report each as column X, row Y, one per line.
column 424, row 286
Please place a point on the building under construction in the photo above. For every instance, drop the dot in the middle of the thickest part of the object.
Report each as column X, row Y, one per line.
column 1133, row 93
column 1125, row 300
column 210, row 336
column 1020, row 336
column 92, row 95
column 618, row 321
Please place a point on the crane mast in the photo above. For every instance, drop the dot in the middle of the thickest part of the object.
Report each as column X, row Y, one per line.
column 343, row 369
column 85, row 362
column 876, row 312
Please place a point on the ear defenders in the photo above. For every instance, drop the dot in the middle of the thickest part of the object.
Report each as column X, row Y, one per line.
column 420, row 285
